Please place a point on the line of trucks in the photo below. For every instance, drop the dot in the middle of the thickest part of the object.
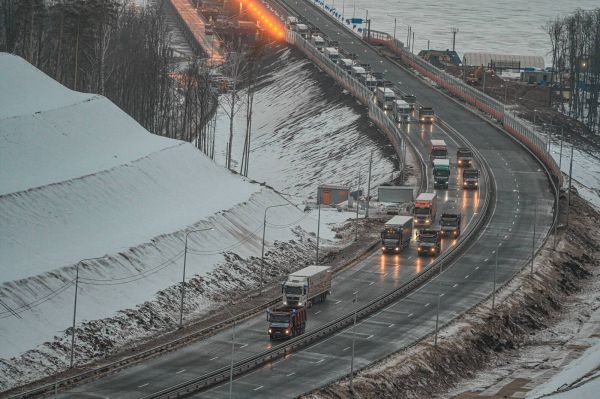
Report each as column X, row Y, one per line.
column 301, row 289
column 386, row 98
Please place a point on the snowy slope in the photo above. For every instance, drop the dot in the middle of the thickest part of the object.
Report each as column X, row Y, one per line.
column 81, row 179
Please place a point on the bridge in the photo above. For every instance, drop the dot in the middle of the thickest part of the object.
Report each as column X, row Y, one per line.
column 394, row 298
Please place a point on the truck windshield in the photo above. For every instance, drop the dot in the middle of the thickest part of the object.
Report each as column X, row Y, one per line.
column 448, row 221
column 390, row 233
column 426, row 112
column 279, row 318
column 410, row 99
column 430, row 239
column 441, row 172
column 470, row 174
column 439, row 152
column 421, row 211
column 464, row 154
column 293, row 290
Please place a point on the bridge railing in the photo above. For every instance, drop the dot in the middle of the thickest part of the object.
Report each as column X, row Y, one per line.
column 356, row 88
column 515, row 126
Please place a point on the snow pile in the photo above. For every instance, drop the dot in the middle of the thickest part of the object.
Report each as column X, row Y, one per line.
column 80, row 179
column 306, row 131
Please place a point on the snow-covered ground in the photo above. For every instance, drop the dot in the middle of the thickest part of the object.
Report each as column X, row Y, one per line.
column 80, row 179
column 306, row 131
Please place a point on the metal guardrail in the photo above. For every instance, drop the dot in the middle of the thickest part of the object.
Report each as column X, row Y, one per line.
column 251, row 362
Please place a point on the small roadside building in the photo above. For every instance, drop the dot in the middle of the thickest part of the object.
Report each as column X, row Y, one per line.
column 331, row 194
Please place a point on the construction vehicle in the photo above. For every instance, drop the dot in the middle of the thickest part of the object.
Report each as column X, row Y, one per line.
column 425, row 209
column 475, row 77
column 385, row 97
column 450, row 223
column 306, row 286
column 426, row 115
column 286, row 321
column 437, row 150
column 401, row 111
column 464, row 157
column 441, row 173
column 429, row 243
column 396, row 234
column 470, row 179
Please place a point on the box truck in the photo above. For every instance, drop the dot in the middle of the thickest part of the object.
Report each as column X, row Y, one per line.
column 396, row 234
column 425, row 209
column 306, row 286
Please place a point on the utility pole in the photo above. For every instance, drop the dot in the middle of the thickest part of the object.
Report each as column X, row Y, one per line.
column 74, row 316
column 369, row 186
column 355, row 300
column 533, row 238
column 437, row 313
column 318, row 228
column 427, row 44
column 454, row 32
column 402, row 178
column 413, row 43
column 570, row 179
column 357, row 206
column 394, row 31
column 495, row 270
column 483, row 69
column 262, row 252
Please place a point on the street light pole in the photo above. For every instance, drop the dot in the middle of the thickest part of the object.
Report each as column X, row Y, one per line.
column 262, row 252
column 75, row 307
column 533, row 239
column 353, row 341
column 232, row 355
column 369, row 186
column 357, row 206
column 570, row 179
column 183, row 277
column 495, row 270
column 318, row 228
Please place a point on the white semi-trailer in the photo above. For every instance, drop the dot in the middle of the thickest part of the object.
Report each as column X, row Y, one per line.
column 307, row 286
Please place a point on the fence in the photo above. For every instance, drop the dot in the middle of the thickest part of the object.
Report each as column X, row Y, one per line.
column 356, row 88
column 521, row 131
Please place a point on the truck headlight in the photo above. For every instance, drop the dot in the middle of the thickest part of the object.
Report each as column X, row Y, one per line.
column 460, row 162
column 284, row 302
column 383, row 248
column 426, row 220
column 418, row 248
column 299, row 303
column 432, row 249
column 397, row 249
column 476, row 183
column 287, row 331
column 270, row 331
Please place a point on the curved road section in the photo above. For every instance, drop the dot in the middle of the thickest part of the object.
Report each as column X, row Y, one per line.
column 523, row 199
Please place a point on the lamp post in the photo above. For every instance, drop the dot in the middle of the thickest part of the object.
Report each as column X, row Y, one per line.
column 495, row 271
column 75, row 307
column 262, row 252
column 318, row 229
column 355, row 300
column 232, row 351
column 183, row 278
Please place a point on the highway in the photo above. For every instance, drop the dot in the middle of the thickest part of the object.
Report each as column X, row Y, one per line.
column 522, row 191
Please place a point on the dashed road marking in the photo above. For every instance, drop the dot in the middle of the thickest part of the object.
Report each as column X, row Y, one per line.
column 355, row 292
column 346, row 348
column 391, row 325
column 319, row 361
column 455, row 285
column 243, row 346
column 258, row 388
column 372, row 282
column 216, row 357
column 318, row 312
column 370, row 336
column 486, row 259
column 442, row 294
column 290, row 374
column 467, row 276
column 427, row 304
column 410, row 315
column 336, row 302
column 180, row 371
column 476, row 267
column 144, row 385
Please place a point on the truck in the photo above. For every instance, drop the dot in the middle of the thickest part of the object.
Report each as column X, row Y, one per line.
column 411, row 99
column 426, row 115
column 425, row 209
column 437, row 150
column 291, row 21
column 332, row 53
column 286, row 321
column 464, row 157
column 357, row 71
column 441, row 173
column 470, row 178
column 346, row 64
column 450, row 223
column 306, row 286
column 370, row 81
column 396, row 234
column 429, row 242
column 401, row 111
column 385, row 97
column 302, row 29
column 393, row 197
column 318, row 42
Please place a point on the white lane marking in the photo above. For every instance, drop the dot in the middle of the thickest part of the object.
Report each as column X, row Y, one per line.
column 427, row 304
column 409, row 258
column 370, row 336
column 336, row 302
column 467, row 276
column 455, row 285
column 494, row 251
column 476, row 267
column 442, row 294
column 345, row 349
column 355, row 292
column 410, row 315
column 391, row 325
column 143, row 385
column 319, row 361
column 318, row 312
column 486, row 259
column 372, row 282
column 216, row 357
column 260, row 387
column 290, row 374
column 243, row 346
column 180, row 371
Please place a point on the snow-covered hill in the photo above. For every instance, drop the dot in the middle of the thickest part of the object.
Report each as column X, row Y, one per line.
column 81, row 179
